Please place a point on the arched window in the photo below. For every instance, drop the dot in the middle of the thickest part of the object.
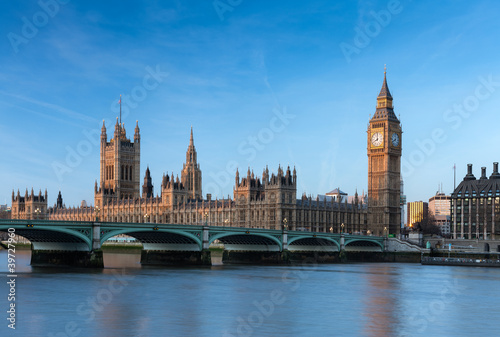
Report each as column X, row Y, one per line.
column 122, row 176
column 130, row 172
column 126, row 172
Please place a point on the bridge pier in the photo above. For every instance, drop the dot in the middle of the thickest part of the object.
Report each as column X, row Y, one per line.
column 96, row 236
column 53, row 258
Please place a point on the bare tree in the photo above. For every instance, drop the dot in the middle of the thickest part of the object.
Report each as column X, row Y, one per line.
column 428, row 224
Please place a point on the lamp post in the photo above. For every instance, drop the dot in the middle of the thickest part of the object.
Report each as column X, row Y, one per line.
column 206, row 218
column 385, row 231
column 331, row 230
column 96, row 210
column 37, row 213
column 285, row 226
column 342, row 228
column 146, row 217
column 226, row 222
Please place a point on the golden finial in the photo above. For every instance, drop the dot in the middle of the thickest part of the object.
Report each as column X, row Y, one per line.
column 385, row 68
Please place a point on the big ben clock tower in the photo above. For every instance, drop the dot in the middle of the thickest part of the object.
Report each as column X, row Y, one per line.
column 384, row 167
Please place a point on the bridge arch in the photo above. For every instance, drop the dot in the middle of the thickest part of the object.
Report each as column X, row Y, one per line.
column 36, row 235
column 302, row 237
column 135, row 231
column 312, row 243
column 248, row 241
column 364, row 242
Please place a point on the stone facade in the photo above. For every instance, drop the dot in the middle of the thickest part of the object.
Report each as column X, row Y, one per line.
column 384, row 166
column 267, row 202
column 29, row 206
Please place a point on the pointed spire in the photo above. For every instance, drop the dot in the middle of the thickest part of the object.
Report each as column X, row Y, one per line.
column 117, row 129
column 384, row 92
column 191, row 141
column 384, row 109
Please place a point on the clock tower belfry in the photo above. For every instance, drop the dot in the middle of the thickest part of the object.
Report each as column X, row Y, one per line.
column 384, row 167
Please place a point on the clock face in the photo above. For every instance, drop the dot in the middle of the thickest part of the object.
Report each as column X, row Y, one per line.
column 377, row 139
column 395, row 139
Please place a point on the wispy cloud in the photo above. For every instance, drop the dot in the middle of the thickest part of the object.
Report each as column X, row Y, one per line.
column 41, row 114
column 54, row 107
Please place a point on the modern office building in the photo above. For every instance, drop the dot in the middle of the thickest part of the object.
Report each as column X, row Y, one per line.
column 439, row 207
column 416, row 211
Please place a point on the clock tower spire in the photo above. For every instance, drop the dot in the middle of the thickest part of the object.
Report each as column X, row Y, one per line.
column 384, row 166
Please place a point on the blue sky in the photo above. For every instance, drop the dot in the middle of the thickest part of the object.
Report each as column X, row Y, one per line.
column 262, row 83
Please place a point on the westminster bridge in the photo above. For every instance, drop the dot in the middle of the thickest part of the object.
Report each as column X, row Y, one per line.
column 79, row 243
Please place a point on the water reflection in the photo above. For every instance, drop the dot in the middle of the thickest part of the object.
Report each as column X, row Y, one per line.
column 381, row 310
column 125, row 299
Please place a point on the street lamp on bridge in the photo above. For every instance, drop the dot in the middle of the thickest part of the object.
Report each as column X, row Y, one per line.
column 96, row 210
column 331, row 230
column 37, row 213
column 342, row 228
column 285, row 226
column 146, row 217
column 206, row 218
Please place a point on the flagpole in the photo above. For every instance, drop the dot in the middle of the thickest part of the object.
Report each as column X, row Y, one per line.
column 120, row 109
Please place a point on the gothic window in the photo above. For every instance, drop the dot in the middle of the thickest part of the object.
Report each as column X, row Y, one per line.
column 130, row 172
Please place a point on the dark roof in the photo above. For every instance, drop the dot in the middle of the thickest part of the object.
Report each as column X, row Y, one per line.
column 471, row 187
column 386, row 113
column 384, row 92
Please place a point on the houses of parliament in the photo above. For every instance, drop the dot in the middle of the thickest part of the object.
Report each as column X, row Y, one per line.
column 269, row 201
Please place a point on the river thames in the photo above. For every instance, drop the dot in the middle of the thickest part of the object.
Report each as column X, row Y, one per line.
column 365, row 299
